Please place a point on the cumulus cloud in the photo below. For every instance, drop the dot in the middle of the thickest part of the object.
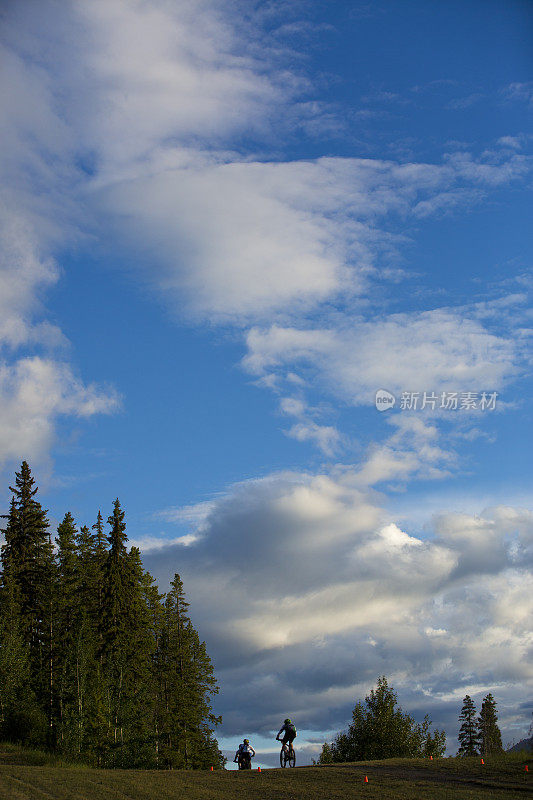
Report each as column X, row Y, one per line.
column 34, row 393
column 127, row 120
column 306, row 590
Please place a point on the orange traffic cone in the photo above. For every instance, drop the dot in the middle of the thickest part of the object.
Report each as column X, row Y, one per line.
column 482, row 761
column 211, row 769
column 259, row 769
column 526, row 768
column 366, row 779
column 431, row 758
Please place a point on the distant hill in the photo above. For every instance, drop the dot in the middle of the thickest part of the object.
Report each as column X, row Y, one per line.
column 523, row 744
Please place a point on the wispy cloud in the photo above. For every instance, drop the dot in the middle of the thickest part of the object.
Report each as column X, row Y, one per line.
column 448, row 349
column 520, row 91
column 460, row 103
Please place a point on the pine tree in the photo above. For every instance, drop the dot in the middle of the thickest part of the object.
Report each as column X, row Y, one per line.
column 188, row 685
column 92, row 557
column 88, row 732
column 21, row 719
column 27, row 557
column 94, row 661
column 468, row 733
column 139, row 682
column 115, row 581
column 490, row 738
column 126, row 647
column 27, row 554
column 99, row 558
column 68, row 619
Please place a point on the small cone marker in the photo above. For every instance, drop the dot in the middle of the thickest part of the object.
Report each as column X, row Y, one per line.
column 366, row 779
column 211, row 769
column 526, row 768
column 431, row 758
column 482, row 761
column 259, row 769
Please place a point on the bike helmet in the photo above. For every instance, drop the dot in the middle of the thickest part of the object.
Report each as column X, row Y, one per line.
column 246, row 741
column 287, row 721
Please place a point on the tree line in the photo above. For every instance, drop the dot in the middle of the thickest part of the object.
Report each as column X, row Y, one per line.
column 95, row 662
column 380, row 729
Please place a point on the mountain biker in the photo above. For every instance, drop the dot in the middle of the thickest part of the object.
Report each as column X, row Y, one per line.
column 245, row 753
column 289, row 733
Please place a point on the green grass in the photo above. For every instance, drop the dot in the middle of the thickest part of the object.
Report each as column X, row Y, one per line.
column 29, row 775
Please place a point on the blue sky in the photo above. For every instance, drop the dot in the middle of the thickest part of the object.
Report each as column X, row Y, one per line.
column 226, row 226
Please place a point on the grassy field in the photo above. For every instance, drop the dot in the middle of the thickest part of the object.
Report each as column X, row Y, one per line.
column 27, row 775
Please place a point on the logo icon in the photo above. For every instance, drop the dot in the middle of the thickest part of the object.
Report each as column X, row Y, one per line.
column 384, row 400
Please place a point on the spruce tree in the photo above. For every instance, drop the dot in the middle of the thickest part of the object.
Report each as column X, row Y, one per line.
column 94, row 661
column 490, row 738
column 126, row 647
column 99, row 557
column 468, row 733
column 21, row 718
column 68, row 619
column 188, row 685
column 115, row 583
column 92, row 557
column 27, row 554
column 139, row 681
column 28, row 558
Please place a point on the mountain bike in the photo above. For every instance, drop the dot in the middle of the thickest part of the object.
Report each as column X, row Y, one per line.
column 245, row 761
column 287, row 756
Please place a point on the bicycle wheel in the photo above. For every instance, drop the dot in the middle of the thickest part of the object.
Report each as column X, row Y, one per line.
column 292, row 759
column 283, row 757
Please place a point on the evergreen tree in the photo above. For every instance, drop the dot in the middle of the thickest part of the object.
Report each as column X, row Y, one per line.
column 126, row 648
column 27, row 557
column 468, row 733
column 490, row 738
column 68, row 619
column 27, row 554
column 188, row 684
column 92, row 557
column 94, row 661
column 139, row 685
column 99, row 558
column 380, row 730
column 21, row 719
column 115, row 584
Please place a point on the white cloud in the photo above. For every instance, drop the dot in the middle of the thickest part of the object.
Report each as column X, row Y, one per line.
column 34, row 393
column 143, row 153
column 149, row 543
column 444, row 349
column 23, row 274
column 520, row 91
column 314, row 580
column 326, row 437
column 243, row 241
